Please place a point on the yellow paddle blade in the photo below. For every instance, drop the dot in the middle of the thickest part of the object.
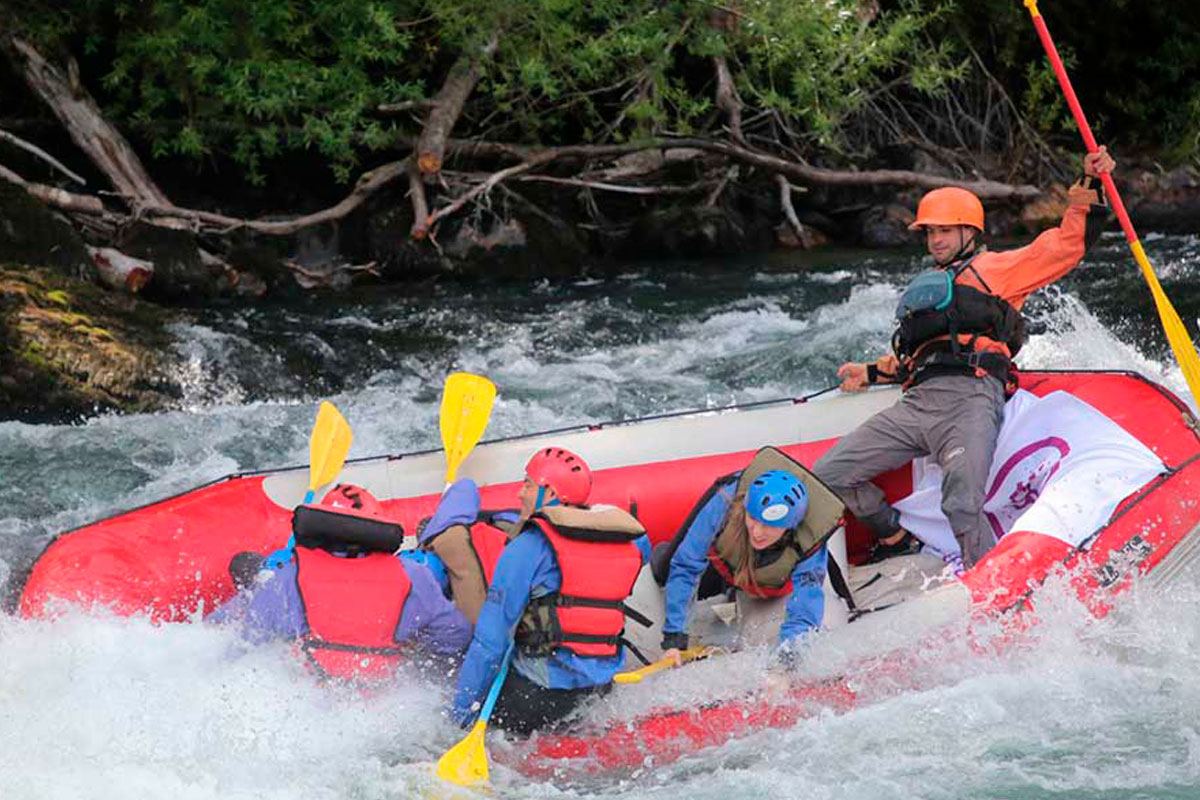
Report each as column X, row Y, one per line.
column 690, row 654
column 328, row 445
column 1177, row 335
column 466, row 406
column 466, row 763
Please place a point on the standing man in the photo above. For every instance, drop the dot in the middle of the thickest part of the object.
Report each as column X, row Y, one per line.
column 958, row 328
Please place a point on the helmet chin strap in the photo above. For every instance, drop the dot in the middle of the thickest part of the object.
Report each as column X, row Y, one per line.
column 964, row 246
column 541, row 499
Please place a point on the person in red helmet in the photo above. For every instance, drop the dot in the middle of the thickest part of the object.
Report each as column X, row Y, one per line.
column 355, row 608
column 558, row 591
column 958, row 328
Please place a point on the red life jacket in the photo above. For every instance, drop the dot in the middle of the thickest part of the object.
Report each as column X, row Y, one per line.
column 488, row 543
column 599, row 564
column 352, row 607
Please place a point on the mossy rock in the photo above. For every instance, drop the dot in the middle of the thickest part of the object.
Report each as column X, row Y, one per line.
column 72, row 350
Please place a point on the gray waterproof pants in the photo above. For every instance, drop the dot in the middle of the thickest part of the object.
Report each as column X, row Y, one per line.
column 954, row 418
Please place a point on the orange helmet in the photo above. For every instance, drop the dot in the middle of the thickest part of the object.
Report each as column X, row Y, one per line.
column 949, row 205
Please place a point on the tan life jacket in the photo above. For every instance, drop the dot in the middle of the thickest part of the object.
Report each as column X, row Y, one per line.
column 773, row 578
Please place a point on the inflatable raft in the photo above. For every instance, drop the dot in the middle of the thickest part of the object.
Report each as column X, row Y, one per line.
column 1136, row 483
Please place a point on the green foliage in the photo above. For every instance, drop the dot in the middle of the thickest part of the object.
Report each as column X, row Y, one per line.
column 1135, row 66
column 256, row 80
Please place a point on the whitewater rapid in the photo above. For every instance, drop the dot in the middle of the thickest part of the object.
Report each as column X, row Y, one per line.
column 96, row 706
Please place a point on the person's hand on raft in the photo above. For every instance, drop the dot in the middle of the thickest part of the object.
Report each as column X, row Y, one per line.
column 674, row 655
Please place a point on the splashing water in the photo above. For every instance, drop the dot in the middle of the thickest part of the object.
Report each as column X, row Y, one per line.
column 94, row 706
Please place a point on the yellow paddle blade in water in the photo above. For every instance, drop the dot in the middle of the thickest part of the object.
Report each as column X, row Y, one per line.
column 466, row 763
column 328, row 446
column 466, row 407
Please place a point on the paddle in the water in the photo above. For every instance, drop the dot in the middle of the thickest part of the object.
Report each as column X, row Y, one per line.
column 1177, row 335
column 327, row 449
column 690, row 654
column 466, row 407
column 466, row 764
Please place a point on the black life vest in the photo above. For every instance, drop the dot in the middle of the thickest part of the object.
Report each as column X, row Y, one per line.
column 929, row 341
column 353, row 603
column 599, row 563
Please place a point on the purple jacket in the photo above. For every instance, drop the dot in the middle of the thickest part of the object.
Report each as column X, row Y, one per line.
column 274, row 610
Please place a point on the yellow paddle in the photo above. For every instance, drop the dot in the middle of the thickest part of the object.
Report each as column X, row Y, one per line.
column 466, row 764
column 466, row 406
column 1177, row 334
column 327, row 449
column 690, row 654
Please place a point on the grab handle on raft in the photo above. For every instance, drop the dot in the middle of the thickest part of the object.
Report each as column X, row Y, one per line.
column 690, row 654
column 1177, row 335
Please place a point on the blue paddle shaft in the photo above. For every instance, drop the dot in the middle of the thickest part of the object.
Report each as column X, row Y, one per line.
column 489, row 703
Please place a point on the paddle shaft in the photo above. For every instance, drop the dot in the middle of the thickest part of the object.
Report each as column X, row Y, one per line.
column 485, row 713
column 1188, row 360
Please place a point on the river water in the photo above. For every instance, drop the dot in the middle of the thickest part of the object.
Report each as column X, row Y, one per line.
column 94, row 706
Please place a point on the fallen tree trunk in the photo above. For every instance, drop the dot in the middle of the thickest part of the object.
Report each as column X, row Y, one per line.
column 447, row 108
column 88, row 128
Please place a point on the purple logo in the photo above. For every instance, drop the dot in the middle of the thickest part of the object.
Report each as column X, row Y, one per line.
column 1022, row 479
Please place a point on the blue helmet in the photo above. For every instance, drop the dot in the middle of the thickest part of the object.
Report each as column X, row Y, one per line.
column 778, row 499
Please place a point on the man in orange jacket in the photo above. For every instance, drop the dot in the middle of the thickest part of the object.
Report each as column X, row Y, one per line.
column 958, row 327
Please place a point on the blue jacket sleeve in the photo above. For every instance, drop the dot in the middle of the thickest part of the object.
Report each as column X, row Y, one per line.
column 508, row 594
column 691, row 559
column 459, row 506
column 806, row 605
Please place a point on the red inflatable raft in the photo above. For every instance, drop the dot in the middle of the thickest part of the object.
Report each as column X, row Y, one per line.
column 170, row 559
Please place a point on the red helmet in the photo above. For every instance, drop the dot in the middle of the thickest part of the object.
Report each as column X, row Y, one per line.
column 347, row 495
column 564, row 472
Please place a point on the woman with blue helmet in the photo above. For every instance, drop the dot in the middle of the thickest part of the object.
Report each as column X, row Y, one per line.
column 760, row 531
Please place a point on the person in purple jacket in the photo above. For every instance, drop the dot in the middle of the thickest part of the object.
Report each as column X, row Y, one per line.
column 355, row 608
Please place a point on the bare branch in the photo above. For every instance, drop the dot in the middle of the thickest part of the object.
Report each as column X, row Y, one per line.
column 789, row 212
column 615, row 187
column 52, row 196
column 390, row 109
column 804, row 173
column 713, row 196
column 42, row 154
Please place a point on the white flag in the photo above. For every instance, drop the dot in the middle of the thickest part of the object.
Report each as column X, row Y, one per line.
column 1060, row 468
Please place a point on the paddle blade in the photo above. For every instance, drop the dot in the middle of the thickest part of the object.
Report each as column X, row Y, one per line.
column 466, row 407
column 466, row 763
column 1177, row 334
column 328, row 445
